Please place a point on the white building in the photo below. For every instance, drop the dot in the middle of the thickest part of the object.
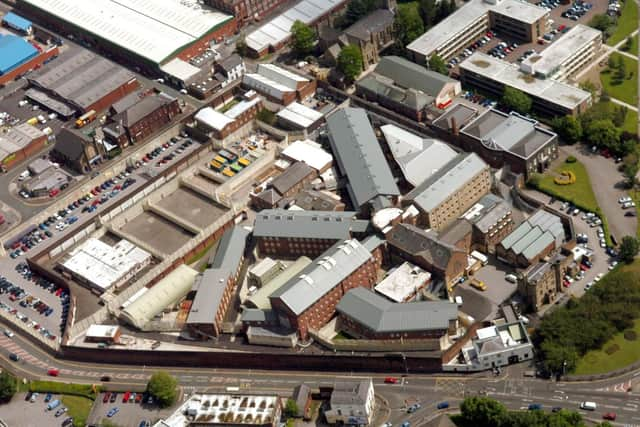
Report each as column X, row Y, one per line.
column 309, row 152
column 274, row 81
column 103, row 333
column 565, row 56
column 352, row 403
column 492, row 347
column 100, row 266
column 225, row 410
column 298, row 116
column 404, row 283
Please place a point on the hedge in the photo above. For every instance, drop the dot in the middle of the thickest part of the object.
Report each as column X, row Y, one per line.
column 84, row 390
column 571, row 159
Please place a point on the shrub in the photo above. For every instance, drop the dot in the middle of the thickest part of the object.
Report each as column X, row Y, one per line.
column 612, row 349
column 565, row 178
column 571, row 159
column 630, row 335
column 83, row 390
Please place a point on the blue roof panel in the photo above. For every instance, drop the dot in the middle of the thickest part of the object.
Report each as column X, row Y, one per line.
column 14, row 51
column 17, row 22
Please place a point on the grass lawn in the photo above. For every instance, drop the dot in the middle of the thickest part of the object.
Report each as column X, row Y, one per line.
column 634, row 46
column 627, row 89
column 414, row 6
column 627, row 23
column 79, row 408
column 623, row 352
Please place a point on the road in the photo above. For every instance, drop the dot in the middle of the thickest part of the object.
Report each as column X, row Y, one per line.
column 511, row 388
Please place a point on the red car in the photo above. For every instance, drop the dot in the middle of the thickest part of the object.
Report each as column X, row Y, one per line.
column 390, row 380
column 611, row 416
column 54, row 192
column 125, row 398
column 583, row 267
column 138, row 397
column 106, row 397
column 53, row 372
column 566, row 283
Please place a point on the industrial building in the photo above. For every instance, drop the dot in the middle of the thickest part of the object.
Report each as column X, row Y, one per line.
column 100, row 266
column 371, row 186
column 310, row 153
column 566, row 56
column 143, row 32
column 17, row 23
column 418, row 158
column 216, row 286
column 226, row 409
column 217, row 125
column 276, row 33
column 246, row 11
column 20, row 143
column 549, row 97
column 144, row 306
column 41, row 185
column 14, row 51
column 519, row 19
column 308, row 301
column 450, row 191
column 365, row 315
column 83, row 81
column 279, row 85
column 296, row 116
column 532, row 240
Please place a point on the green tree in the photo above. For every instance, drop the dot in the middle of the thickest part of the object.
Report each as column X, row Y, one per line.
column 409, row 25
column 568, row 127
column 8, row 386
column 559, row 359
column 357, row 9
column 621, row 70
column 428, row 12
column 629, row 248
column 590, row 87
column 437, row 64
column 350, row 61
column 602, row 22
column 303, row 38
column 628, row 44
column 291, row 408
column 516, row 100
column 482, row 412
column 603, row 133
column 163, row 387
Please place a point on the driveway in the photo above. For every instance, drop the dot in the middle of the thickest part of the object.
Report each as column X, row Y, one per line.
column 607, row 183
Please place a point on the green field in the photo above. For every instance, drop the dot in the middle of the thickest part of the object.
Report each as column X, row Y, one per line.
column 627, row 89
column 78, row 408
column 627, row 23
column 598, row 361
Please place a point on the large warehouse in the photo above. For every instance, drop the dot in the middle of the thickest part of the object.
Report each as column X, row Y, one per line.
column 81, row 80
column 147, row 32
column 14, row 51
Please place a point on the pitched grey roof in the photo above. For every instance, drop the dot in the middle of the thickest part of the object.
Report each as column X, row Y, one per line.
column 350, row 392
column 417, row 242
column 69, row 144
column 493, row 210
column 310, row 224
column 230, row 249
column 384, row 87
column 261, row 298
column 383, row 316
column 312, row 200
column 533, row 235
column 231, row 62
column 324, row 274
column 446, row 181
column 126, row 102
column 408, row 74
column 143, row 108
column 374, row 22
column 291, row 177
column 359, row 156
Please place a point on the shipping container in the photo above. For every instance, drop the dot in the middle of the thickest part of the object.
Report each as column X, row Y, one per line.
column 228, row 172
column 216, row 166
column 236, row 167
column 244, row 162
column 220, row 160
column 228, row 155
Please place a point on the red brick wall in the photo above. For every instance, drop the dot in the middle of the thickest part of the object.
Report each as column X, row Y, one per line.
column 306, row 90
column 107, row 101
column 152, row 122
column 201, row 45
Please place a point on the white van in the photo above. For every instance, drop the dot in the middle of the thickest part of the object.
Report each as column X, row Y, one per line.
column 588, row 406
column 24, row 175
column 511, row 278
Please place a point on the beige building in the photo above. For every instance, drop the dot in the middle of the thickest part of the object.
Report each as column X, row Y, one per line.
column 371, row 34
column 451, row 191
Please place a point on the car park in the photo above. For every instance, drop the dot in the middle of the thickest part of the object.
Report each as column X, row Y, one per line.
column 112, row 412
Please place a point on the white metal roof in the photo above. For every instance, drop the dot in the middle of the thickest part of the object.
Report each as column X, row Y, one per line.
column 309, row 152
column 102, row 331
column 180, row 69
column 278, row 29
column 152, row 29
column 300, row 114
column 212, row 118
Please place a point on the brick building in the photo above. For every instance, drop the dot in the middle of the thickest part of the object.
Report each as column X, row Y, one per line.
column 215, row 288
column 246, row 11
column 19, row 143
column 77, row 151
column 445, row 261
column 142, row 119
column 290, row 234
column 279, row 85
column 492, row 221
column 217, row 125
column 364, row 314
column 308, row 301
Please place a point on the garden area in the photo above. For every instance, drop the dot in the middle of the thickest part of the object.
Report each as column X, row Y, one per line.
column 621, row 350
column 619, row 78
column 626, row 24
column 579, row 193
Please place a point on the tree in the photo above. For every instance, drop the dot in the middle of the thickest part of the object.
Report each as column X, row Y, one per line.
column 163, row 387
column 350, row 61
column 516, row 100
column 357, row 9
column 437, row 64
column 602, row 22
column 603, row 133
column 409, row 25
column 482, row 412
column 291, row 408
column 590, row 87
column 629, row 248
column 621, row 70
column 558, row 359
column 303, row 38
column 8, row 386
column 568, row 127
column 628, row 44
column 428, row 12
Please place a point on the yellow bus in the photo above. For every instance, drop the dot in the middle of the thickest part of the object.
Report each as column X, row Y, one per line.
column 216, row 166
column 220, row 160
column 228, row 172
column 244, row 162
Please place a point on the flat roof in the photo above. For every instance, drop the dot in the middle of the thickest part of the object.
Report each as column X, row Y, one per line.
column 155, row 30
column 548, row 61
column 403, row 282
column 102, row 331
column 180, row 69
column 508, row 74
column 14, row 51
column 284, row 223
column 213, row 119
column 309, row 152
column 459, row 21
column 17, row 21
column 278, row 29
